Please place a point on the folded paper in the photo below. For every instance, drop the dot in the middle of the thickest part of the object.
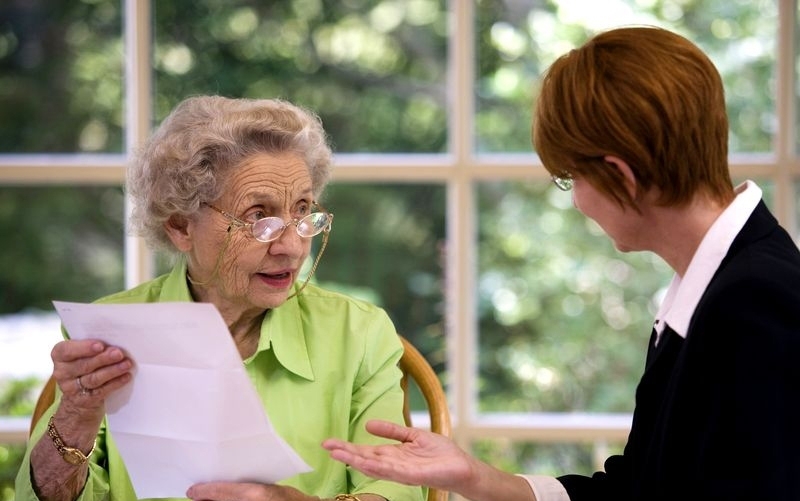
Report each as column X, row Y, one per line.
column 190, row 413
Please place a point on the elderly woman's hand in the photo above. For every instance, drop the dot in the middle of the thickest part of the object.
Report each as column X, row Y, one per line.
column 243, row 491
column 87, row 371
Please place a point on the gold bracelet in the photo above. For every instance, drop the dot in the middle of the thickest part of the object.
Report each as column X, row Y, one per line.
column 346, row 497
column 71, row 455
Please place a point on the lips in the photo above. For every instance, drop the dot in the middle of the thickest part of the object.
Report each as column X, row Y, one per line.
column 282, row 280
column 276, row 276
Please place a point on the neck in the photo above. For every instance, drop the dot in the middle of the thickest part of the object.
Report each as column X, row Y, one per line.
column 678, row 231
column 246, row 333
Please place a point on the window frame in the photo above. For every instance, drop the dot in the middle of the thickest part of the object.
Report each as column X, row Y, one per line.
column 458, row 170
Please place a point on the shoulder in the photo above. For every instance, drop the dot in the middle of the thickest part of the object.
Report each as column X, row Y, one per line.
column 772, row 261
column 147, row 292
column 341, row 316
column 755, row 294
column 314, row 296
column 171, row 286
column 763, row 245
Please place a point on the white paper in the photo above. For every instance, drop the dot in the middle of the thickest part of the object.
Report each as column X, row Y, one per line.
column 191, row 413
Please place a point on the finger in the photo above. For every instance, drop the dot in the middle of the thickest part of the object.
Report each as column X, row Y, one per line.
column 109, row 356
column 354, row 455
column 347, row 452
column 101, row 392
column 376, row 467
column 81, row 388
column 363, row 451
column 224, row 491
column 205, row 491
column 70, row 350
column 387, row 429
column 104, row 374
column 93, row 370
column 76, row 358
column 343, row 455
column 334, row 443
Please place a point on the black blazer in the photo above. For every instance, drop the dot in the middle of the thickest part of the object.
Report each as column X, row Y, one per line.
column 717, row 414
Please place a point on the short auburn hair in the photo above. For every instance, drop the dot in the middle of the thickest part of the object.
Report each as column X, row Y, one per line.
column 646, row 95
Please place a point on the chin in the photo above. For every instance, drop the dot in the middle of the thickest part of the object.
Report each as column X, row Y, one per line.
column 628, row 247
column 270, row 301
column 623, row 248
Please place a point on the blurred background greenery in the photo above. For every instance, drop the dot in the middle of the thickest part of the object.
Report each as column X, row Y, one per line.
column 562, row 318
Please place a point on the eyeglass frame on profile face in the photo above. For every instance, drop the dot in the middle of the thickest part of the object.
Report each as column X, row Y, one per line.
column 235, row 221
column 563, row 181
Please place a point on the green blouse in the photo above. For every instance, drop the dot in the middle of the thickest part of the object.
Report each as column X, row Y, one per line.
column 325, row 365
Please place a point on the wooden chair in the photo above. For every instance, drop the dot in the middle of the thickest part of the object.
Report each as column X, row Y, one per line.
column 415, row 368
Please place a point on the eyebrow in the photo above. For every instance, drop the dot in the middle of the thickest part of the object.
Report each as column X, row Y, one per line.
column 269, row 198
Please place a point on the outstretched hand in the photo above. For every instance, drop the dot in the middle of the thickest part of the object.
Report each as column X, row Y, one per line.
column 420, row 457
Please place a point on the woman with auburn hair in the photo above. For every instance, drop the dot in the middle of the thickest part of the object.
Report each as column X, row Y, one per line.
column 634, row 123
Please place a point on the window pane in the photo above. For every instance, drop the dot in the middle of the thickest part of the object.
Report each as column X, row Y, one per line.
column 564, row 318
column 375, row 71
column 387, row 247
column 61, row 243
column 517, row 41
column 61, row 69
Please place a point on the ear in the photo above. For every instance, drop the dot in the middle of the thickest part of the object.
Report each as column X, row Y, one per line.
column 177, row 228
column 626, row 171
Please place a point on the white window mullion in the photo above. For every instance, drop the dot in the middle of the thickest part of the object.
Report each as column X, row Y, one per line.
column 138, row 103
column 461, row 272
column 788, row 167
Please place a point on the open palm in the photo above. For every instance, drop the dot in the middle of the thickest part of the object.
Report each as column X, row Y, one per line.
column 420, row 457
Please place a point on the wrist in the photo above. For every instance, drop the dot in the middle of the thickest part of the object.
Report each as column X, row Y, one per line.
column 71, row 454
column 359, row 497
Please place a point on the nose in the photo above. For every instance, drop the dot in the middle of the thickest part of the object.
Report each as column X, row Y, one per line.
column 289, row 242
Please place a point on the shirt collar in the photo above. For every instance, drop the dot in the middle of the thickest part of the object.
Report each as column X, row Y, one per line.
column 281, row 330
column 176, row 287
column 685, row 292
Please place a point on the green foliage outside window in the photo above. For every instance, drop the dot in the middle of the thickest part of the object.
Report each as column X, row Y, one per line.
column 563, row 317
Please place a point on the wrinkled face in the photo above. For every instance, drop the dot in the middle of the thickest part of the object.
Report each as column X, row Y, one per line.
column 252, row 275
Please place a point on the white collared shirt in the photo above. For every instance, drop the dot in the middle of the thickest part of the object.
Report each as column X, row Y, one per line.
column 685, row 292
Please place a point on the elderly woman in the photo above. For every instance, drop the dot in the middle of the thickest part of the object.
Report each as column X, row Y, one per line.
column 231, row 186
